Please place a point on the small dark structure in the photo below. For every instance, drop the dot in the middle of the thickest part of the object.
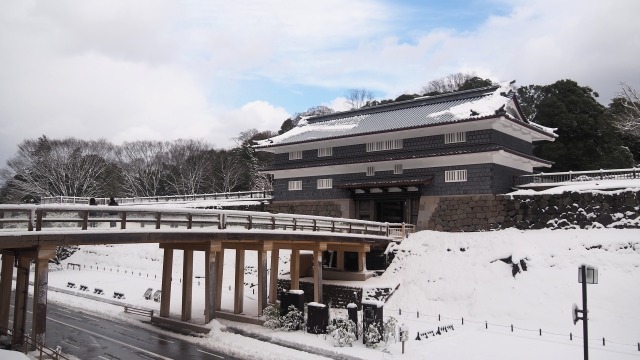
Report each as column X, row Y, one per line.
column 317, row 318
column 292, row 297
column 372, row 314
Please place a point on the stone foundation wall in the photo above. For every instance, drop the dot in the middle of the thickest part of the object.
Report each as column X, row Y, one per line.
column 319, row 208
column 567, row 210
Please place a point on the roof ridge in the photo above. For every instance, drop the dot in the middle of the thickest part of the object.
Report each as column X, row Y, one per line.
column 419, row 101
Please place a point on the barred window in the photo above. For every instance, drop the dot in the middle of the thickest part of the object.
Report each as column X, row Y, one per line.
column 397, row 169
column 384, row 145
column 295, row 155
column 295, row 185
column 325, row 183
column 456, row 137
column 371, row 170
column 328, row 151
column 455, row 176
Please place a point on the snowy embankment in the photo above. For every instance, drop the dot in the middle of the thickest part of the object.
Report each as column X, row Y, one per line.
column 454, row 275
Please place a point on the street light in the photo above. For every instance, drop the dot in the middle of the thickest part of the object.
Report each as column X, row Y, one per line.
column 586, row 275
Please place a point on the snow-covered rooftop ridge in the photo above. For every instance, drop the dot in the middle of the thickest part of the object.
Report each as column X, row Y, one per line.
column 485, row 106
column 480, row 103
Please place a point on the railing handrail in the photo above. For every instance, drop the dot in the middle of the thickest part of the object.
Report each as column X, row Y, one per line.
column 27, row 341
column 576, row 176
column 36, row 218
column 266, row 194
column 583, row 172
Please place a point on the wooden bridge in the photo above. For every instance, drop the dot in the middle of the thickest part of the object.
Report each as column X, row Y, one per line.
column 33, row 232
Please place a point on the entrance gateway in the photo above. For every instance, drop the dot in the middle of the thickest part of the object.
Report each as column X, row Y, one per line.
column 392, row 201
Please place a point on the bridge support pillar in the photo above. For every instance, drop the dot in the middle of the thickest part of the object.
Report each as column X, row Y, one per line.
column 5, row 291
column 165, row 296
column 238, row 304
column 20, row 305
column 211, row 281
column 40, row 288
column 262, row 281
column 340, row 260
column 273, row 276
column 187, row 284
column 362, row 261
column 294, row 269
column 317, row 276
column 219, row 273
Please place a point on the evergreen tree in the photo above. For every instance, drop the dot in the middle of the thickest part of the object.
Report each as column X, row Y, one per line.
column 587, row 139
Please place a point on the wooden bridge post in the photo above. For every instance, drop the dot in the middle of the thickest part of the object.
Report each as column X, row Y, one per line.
column 262, row 279
column 211, row 280
column 340, row 260
column 187, row 284
column 317, row 276
column 273, row 276
column 40, row 288
column 238, row 305
column 362, row 261
column 20, row 305
column 219, row 273
column 294, row 269
column 165, row 295
column 5, row 291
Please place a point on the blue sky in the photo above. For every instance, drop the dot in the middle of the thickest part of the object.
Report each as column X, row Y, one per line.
column 210, row 69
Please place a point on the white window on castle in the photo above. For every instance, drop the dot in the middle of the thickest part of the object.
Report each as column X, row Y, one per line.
column 397, row 169
column 295, row 155
column 455, row 176
column 295, row 185
column 456, row 137
column 384, row 145
column 371, row 170
column 328, row 151
column 325, row 183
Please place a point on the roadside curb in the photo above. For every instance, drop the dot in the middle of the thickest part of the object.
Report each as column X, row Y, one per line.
column 290, row 344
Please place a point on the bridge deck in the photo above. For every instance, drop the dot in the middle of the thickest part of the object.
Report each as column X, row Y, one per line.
column 54, row 225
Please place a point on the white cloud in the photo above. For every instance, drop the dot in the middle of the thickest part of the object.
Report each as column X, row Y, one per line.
column 162, row 69
column 339, row 104
column 257, row 114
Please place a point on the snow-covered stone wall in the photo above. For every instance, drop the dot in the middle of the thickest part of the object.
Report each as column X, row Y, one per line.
column 557, row 211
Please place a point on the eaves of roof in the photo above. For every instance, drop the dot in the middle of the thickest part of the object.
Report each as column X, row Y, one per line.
column 401, row 155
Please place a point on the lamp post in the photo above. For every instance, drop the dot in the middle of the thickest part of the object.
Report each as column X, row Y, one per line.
column 586, row 275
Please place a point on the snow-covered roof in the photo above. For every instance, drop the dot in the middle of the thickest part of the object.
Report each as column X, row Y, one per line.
column 425, row 111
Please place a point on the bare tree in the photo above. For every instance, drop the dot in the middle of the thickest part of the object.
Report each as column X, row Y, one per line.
column 68, row 167
column 187, row 162
column 229, row 171
column 142, row 164
column 447, row 84
column 626, row 110
column 357, row 98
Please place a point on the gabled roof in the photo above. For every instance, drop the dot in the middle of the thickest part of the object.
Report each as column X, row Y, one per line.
column 467, row 105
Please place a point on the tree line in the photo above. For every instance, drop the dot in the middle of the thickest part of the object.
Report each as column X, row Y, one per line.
column 97, row 168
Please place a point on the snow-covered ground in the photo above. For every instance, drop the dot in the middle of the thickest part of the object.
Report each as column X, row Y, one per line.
column 451, row 275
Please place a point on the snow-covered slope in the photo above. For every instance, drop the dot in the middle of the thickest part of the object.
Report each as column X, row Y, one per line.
column 454, row 275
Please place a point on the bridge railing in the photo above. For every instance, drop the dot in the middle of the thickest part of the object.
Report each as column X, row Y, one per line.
column 256, row 194
column 104, row 218
column 576, row 176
